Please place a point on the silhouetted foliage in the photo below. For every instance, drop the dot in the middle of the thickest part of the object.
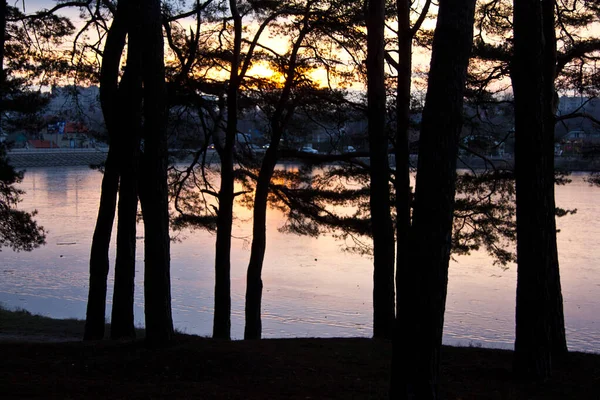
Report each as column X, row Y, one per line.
column 485, row 215
column 18, row 229
column 32, row 59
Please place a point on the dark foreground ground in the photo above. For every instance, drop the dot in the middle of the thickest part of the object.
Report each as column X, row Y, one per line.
column 194, row 367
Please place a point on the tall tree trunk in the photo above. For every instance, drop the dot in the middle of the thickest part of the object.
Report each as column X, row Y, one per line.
column 402, row 187
column 222, row 315
column 538, row 282
column 557, row 319
column 99, row 258
column 381, row 221
column 153, row 185
column 122, row 318
column 431, row 231
column 254, row 286
column 130, row 101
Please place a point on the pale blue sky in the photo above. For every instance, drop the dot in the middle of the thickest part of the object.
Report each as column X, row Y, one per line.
column 31, row 6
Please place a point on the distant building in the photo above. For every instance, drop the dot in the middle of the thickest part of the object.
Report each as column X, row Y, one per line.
column 77, row 104
column 572, row 113
column 568, row 104
column 578, row 142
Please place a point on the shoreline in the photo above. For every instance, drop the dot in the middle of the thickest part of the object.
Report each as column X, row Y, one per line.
column 36, row 158
column 66, row 157
column 197, row 367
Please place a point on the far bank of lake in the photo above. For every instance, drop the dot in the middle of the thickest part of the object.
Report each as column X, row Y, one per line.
column 65, row 157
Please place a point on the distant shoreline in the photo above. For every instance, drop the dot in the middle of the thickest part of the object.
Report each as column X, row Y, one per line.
column 33, row 158
column 66, row 157
column 561, row 163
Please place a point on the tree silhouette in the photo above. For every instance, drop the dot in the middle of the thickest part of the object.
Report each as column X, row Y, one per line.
column 131, row 114
column 417, row 344
column 153, row 185
column 382, row 229
column 112, row 98
column 539, row 313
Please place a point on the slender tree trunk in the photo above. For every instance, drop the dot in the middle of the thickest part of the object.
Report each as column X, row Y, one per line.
column 99, row 258
column 557, row 318
column 431, row 231
column 122, row 320
column 537, row 273
column 153, row 190
column 254, row 285
column 99, row 261
column 222, row 316
column 403, row 191
column 381, row 221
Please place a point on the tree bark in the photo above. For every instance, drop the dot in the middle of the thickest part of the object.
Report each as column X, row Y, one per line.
column 99, row 258
column 122, row 318
column 403, row 190
column 99, row 261
column 222, row 314
column 153, row 185
column 254, row 285
column 557, row 318
column 431, row 230
column 129, row 100
column 538, row 282
column 381, row 222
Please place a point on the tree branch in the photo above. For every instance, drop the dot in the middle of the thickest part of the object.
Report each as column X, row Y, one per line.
column 47, row 12
column 579, row 49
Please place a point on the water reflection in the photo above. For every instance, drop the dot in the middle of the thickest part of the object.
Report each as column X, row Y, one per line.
column 311, row 287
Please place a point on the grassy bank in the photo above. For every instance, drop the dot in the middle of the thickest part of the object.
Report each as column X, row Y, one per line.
column 21, row 323
column 194, row 367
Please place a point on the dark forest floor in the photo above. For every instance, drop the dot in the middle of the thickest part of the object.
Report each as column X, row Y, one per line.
column 195, row 367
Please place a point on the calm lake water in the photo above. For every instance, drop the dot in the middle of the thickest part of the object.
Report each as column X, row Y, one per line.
column 311, row 287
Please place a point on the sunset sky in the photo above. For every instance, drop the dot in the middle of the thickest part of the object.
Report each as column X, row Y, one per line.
column 420, row 61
